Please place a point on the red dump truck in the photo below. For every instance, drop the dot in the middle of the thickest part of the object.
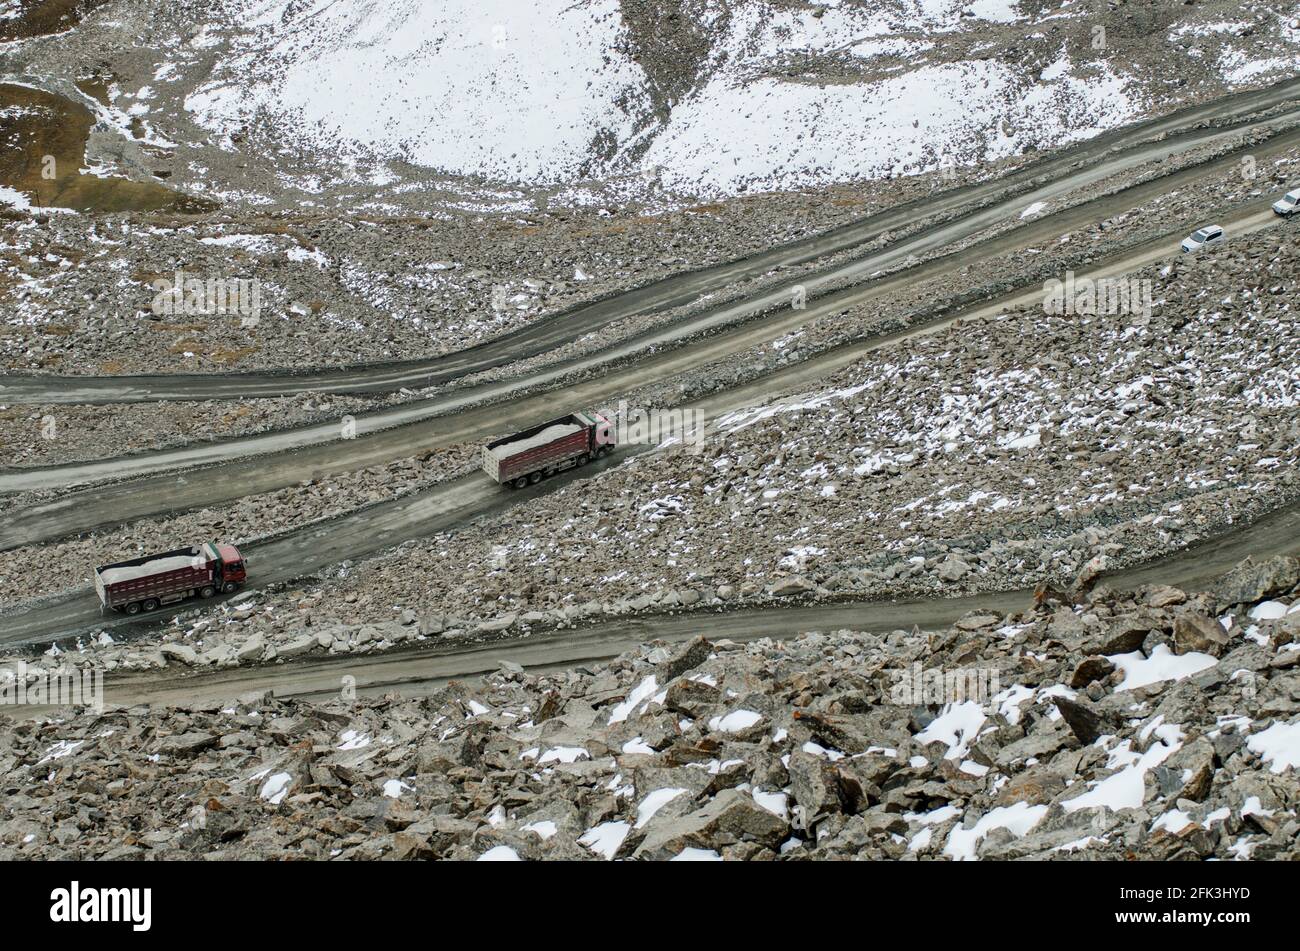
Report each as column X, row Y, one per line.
column 145, row 583
column 544, row 450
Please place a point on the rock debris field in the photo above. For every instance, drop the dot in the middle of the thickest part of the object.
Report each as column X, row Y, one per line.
column 1160, row 724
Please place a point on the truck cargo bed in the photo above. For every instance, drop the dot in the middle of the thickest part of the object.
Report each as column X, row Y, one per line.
column 541, row 449
column 155, row 576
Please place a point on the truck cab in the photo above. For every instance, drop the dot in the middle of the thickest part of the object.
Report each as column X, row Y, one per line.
column 233, row 570
column 604, row 439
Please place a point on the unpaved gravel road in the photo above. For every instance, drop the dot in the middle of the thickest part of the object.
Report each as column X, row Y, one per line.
column 1109, row 154
column 779, row 319
column 307, row 550
column 120, row 503
column 310, row 549
column 412, row 672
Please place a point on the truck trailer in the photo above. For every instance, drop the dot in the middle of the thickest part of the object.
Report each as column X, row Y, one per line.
column 532, row 455
column 150, row 581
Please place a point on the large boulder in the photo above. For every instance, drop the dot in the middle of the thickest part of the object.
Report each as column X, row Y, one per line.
column 1253, row 581
column 790, row 587
column 1198, row 633
column 730, row 818
column 179, row 652
column 953, row 568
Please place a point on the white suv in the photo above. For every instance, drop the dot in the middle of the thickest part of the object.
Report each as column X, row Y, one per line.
column 1210, row 234
column 1286, row 205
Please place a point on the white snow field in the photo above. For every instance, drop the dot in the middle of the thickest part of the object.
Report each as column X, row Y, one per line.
column 549, row 93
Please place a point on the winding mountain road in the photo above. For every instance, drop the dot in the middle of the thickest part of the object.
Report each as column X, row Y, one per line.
column 314, row 548
column 1072, row 168
column 120, row 503
column 417, row 670
column 223, row 471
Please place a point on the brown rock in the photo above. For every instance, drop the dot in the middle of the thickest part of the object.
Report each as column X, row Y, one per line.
column 1197, row 632
column 691, row 697
column 1163, row 596
column 1086, row 722
column 1090, row 669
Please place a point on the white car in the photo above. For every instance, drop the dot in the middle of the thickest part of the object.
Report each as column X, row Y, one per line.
column 1210, row 234
column 1287, row 204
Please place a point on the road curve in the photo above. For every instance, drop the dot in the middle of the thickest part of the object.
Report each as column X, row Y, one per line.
column 316, row 547
column 418, row 670
column 769, row 309
column 119, row 503
column 1112, row 152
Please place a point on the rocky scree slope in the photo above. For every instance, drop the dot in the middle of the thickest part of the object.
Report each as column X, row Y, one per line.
column 1157, row 724
column 470, row 105
column 980, row 457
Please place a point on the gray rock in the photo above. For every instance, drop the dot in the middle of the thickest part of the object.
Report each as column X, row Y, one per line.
column 1085, row 721
column 181, row 652
column 252, row 649
column 187, row 743
column 1253, row 581
column 1196, row 632
column 952, row 568
column 299, row 646
column 790, row 587
column 731, row 817
column 815, row 785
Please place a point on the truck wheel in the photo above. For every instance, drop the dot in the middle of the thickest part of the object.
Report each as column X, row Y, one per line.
column 605, row 450
column 520, row 482
column 535, row 478
column 207, row 591
column 151, row 604
column 583, row 460
column 229, row 586
column 132, row 608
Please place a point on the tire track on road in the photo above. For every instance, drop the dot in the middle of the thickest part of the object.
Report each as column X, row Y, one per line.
column 313, row 548
column 1113, row 151
column 413, row 672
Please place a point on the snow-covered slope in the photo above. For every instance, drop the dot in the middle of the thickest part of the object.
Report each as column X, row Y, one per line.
column 510, row 90
column 713, row 96
column 479, row 101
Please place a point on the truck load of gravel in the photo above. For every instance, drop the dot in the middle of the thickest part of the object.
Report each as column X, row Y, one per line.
column 154, row 567
column 547, row 435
